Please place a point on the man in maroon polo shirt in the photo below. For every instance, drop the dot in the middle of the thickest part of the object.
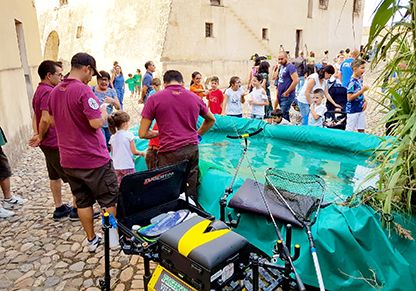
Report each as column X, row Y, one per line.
column 84, row 156
column 176, row 111
column 50, row 73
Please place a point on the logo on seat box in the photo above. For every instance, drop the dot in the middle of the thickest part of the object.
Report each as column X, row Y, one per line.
column 159, row 177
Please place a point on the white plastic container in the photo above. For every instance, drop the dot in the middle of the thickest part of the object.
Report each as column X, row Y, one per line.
column 114, row 239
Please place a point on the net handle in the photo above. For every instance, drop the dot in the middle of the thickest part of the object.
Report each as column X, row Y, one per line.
column 284, row 201
column 245, row 135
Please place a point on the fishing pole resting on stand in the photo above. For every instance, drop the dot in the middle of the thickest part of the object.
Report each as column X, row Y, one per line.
column 229, row 190
column 282, row 251
column 282, row 248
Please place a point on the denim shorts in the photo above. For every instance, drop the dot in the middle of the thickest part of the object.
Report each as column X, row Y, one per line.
column 304, row 111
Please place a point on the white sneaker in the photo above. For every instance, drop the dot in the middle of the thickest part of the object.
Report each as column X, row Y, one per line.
column 4, row 213
column 93, row 245
column 13, row 202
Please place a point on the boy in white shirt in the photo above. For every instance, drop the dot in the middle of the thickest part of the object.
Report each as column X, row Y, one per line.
column 318, row 109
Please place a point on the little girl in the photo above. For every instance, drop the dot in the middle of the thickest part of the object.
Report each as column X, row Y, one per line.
column 258, row 97
column 122, row 144
column 234, row 98
column 196, row 86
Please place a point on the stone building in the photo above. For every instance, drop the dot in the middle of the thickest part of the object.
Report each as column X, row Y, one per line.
column 20, row 55
column 211, row 36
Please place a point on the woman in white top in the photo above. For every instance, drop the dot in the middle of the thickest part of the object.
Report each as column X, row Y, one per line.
column 313, row 82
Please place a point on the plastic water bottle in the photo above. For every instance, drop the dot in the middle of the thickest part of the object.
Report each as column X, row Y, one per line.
column 113, row 233
column 114, row 239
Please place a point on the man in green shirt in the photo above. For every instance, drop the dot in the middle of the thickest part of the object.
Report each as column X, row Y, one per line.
column 10, row 201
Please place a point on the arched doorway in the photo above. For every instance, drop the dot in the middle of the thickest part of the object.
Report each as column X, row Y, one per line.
column 52, row 46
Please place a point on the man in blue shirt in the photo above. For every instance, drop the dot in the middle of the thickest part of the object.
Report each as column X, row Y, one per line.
column 346, row 70
column 147, row 80
column 287, row 80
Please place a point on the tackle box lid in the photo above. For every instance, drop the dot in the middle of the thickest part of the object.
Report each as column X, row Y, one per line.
column 144, row 190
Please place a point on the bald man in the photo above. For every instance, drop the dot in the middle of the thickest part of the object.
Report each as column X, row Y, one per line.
column 287, row 80
column 345, row 68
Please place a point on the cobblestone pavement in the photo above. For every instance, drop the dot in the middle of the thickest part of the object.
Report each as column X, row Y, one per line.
column 37, row 253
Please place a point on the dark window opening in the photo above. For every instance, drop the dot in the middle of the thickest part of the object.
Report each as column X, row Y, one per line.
column 216, row 2
column 21, row 44
column 298, row 42
column 209, row 29
column 323, row 4
column 80, row 29
column 265, row 34
column 357, row 6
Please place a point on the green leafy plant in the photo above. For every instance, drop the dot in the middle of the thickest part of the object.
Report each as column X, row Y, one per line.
column 393, row 35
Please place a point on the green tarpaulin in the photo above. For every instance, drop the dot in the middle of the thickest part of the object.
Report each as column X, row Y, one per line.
column 355, row 252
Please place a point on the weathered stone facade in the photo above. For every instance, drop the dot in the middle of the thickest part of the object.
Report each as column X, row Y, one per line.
column 19, row 57
column 173, row 33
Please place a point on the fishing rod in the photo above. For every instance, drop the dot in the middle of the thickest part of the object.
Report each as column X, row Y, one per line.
column 285, row 250
column 307, row 225
column 229, row 189
column 281, row 241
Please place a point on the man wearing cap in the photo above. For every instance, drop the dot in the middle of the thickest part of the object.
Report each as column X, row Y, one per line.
column 84, row 157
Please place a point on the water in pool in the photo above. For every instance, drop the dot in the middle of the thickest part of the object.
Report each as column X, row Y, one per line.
column 342, row 172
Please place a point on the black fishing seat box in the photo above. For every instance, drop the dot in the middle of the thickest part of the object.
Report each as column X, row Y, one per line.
column 147, row 194
column 206, row 254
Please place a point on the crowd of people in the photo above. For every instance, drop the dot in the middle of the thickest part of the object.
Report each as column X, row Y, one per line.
column 77, row 126
column 297, row 81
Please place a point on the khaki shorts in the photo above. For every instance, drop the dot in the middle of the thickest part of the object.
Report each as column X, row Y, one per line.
column 90, row 185
column 5, row 171
column 53, row 164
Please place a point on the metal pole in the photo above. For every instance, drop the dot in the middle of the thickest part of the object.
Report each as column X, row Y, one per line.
column 255, row 268
column 106, row 229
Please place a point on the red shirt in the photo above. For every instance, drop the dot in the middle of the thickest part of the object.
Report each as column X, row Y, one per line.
column 176, row 111
column 40, row 103
column 215, row 99
column 73, row 104
column 154, row 141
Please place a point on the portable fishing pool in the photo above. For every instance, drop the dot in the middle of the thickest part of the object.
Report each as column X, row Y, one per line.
column 352, row 246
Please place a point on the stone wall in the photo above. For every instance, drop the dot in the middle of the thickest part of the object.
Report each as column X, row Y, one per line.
column 172, row 32
column 19, row 57
column 237, row 33
column 130, row 32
